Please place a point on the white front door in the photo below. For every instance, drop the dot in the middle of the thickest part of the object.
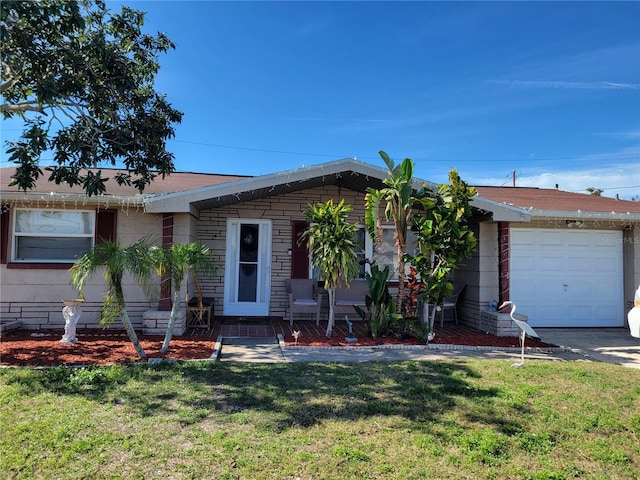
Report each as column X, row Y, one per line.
column 567, row 278
column 247, row 275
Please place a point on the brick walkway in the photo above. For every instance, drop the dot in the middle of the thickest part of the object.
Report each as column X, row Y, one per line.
column 271, row 326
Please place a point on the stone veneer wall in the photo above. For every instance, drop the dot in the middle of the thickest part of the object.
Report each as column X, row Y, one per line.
column 281, row 210
column 48, row 314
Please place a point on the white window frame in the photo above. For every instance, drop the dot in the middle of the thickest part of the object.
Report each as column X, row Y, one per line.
column 50, row 233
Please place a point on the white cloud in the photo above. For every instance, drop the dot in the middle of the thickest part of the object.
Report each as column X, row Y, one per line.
column 571, row 85
column 622, row 180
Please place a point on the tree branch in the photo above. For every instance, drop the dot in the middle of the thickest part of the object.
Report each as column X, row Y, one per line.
column 11, row 80
column 32, row 106
column 21, row 108
column 9, row 84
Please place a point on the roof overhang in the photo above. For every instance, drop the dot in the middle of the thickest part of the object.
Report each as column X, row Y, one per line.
column 347, row 173
column 56, row 200
column 502, row 212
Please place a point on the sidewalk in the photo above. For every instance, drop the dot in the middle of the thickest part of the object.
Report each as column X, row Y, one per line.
column 250, row 349
column 613, row 345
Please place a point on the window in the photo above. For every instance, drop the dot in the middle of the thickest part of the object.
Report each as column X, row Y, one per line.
column 386, row 253
column 52, row 236
column 383, row 254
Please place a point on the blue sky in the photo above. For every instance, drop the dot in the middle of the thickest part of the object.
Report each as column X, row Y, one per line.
column 548, row 90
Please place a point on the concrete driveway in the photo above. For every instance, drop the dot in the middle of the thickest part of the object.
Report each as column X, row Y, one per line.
column 613, row 345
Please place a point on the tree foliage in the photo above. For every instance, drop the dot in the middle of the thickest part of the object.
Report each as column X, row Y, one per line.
column 116, row 261
column 175, row 263
column 82, row 80
column 331, row 242
column 399, row 199
column 444, row 237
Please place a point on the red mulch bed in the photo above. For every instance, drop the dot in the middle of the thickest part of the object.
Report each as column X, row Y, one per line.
column 43, row 348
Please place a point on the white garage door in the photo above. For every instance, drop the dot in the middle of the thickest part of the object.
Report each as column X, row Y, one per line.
column 567, row 278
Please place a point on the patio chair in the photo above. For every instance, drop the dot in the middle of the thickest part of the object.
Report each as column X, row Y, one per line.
column 451, row 302
column 304, row 297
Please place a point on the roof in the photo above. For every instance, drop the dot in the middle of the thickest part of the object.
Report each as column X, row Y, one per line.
column 347, row 173
column 176, row 182
column 192, row 192
column 523, row 203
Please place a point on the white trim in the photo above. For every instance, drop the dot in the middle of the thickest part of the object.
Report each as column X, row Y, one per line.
column 44, row 236
column 503, row 212
column 231, row 305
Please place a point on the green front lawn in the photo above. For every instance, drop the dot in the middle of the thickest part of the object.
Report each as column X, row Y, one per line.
column 472, row 419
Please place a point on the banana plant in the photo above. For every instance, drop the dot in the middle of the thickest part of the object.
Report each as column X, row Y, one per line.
column 399, row 199
column 380, row 313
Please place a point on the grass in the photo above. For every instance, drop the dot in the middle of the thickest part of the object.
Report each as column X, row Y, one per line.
column 472, row 419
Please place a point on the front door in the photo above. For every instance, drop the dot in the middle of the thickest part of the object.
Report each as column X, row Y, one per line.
column 247, row 276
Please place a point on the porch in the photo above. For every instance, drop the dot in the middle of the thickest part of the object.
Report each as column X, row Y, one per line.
column 254, row 327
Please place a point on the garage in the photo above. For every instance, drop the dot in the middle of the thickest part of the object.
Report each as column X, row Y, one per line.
column 567, row 277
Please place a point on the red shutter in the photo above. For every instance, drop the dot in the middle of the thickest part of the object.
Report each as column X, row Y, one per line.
column 299, row 253
column 503, row 262
column 4, row 232
column 164, row 304
column 106, row 221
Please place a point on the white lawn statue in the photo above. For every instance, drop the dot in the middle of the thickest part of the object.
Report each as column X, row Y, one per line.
column 71, row 313
column 350, row 338
column 634, row 316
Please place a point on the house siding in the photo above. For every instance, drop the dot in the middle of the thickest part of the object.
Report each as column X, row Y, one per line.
column 479, row 273
column 34, row 296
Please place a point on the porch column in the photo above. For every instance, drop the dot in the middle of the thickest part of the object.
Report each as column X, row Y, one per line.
column 503, row 262
column 165, row 282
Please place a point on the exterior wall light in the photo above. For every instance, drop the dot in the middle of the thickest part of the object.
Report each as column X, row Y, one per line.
column 575, row 224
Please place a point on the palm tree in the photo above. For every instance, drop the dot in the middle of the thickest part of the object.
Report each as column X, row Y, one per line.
column 178, row 261
column 116, row 262
column 331, row 242
column 399, row 199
